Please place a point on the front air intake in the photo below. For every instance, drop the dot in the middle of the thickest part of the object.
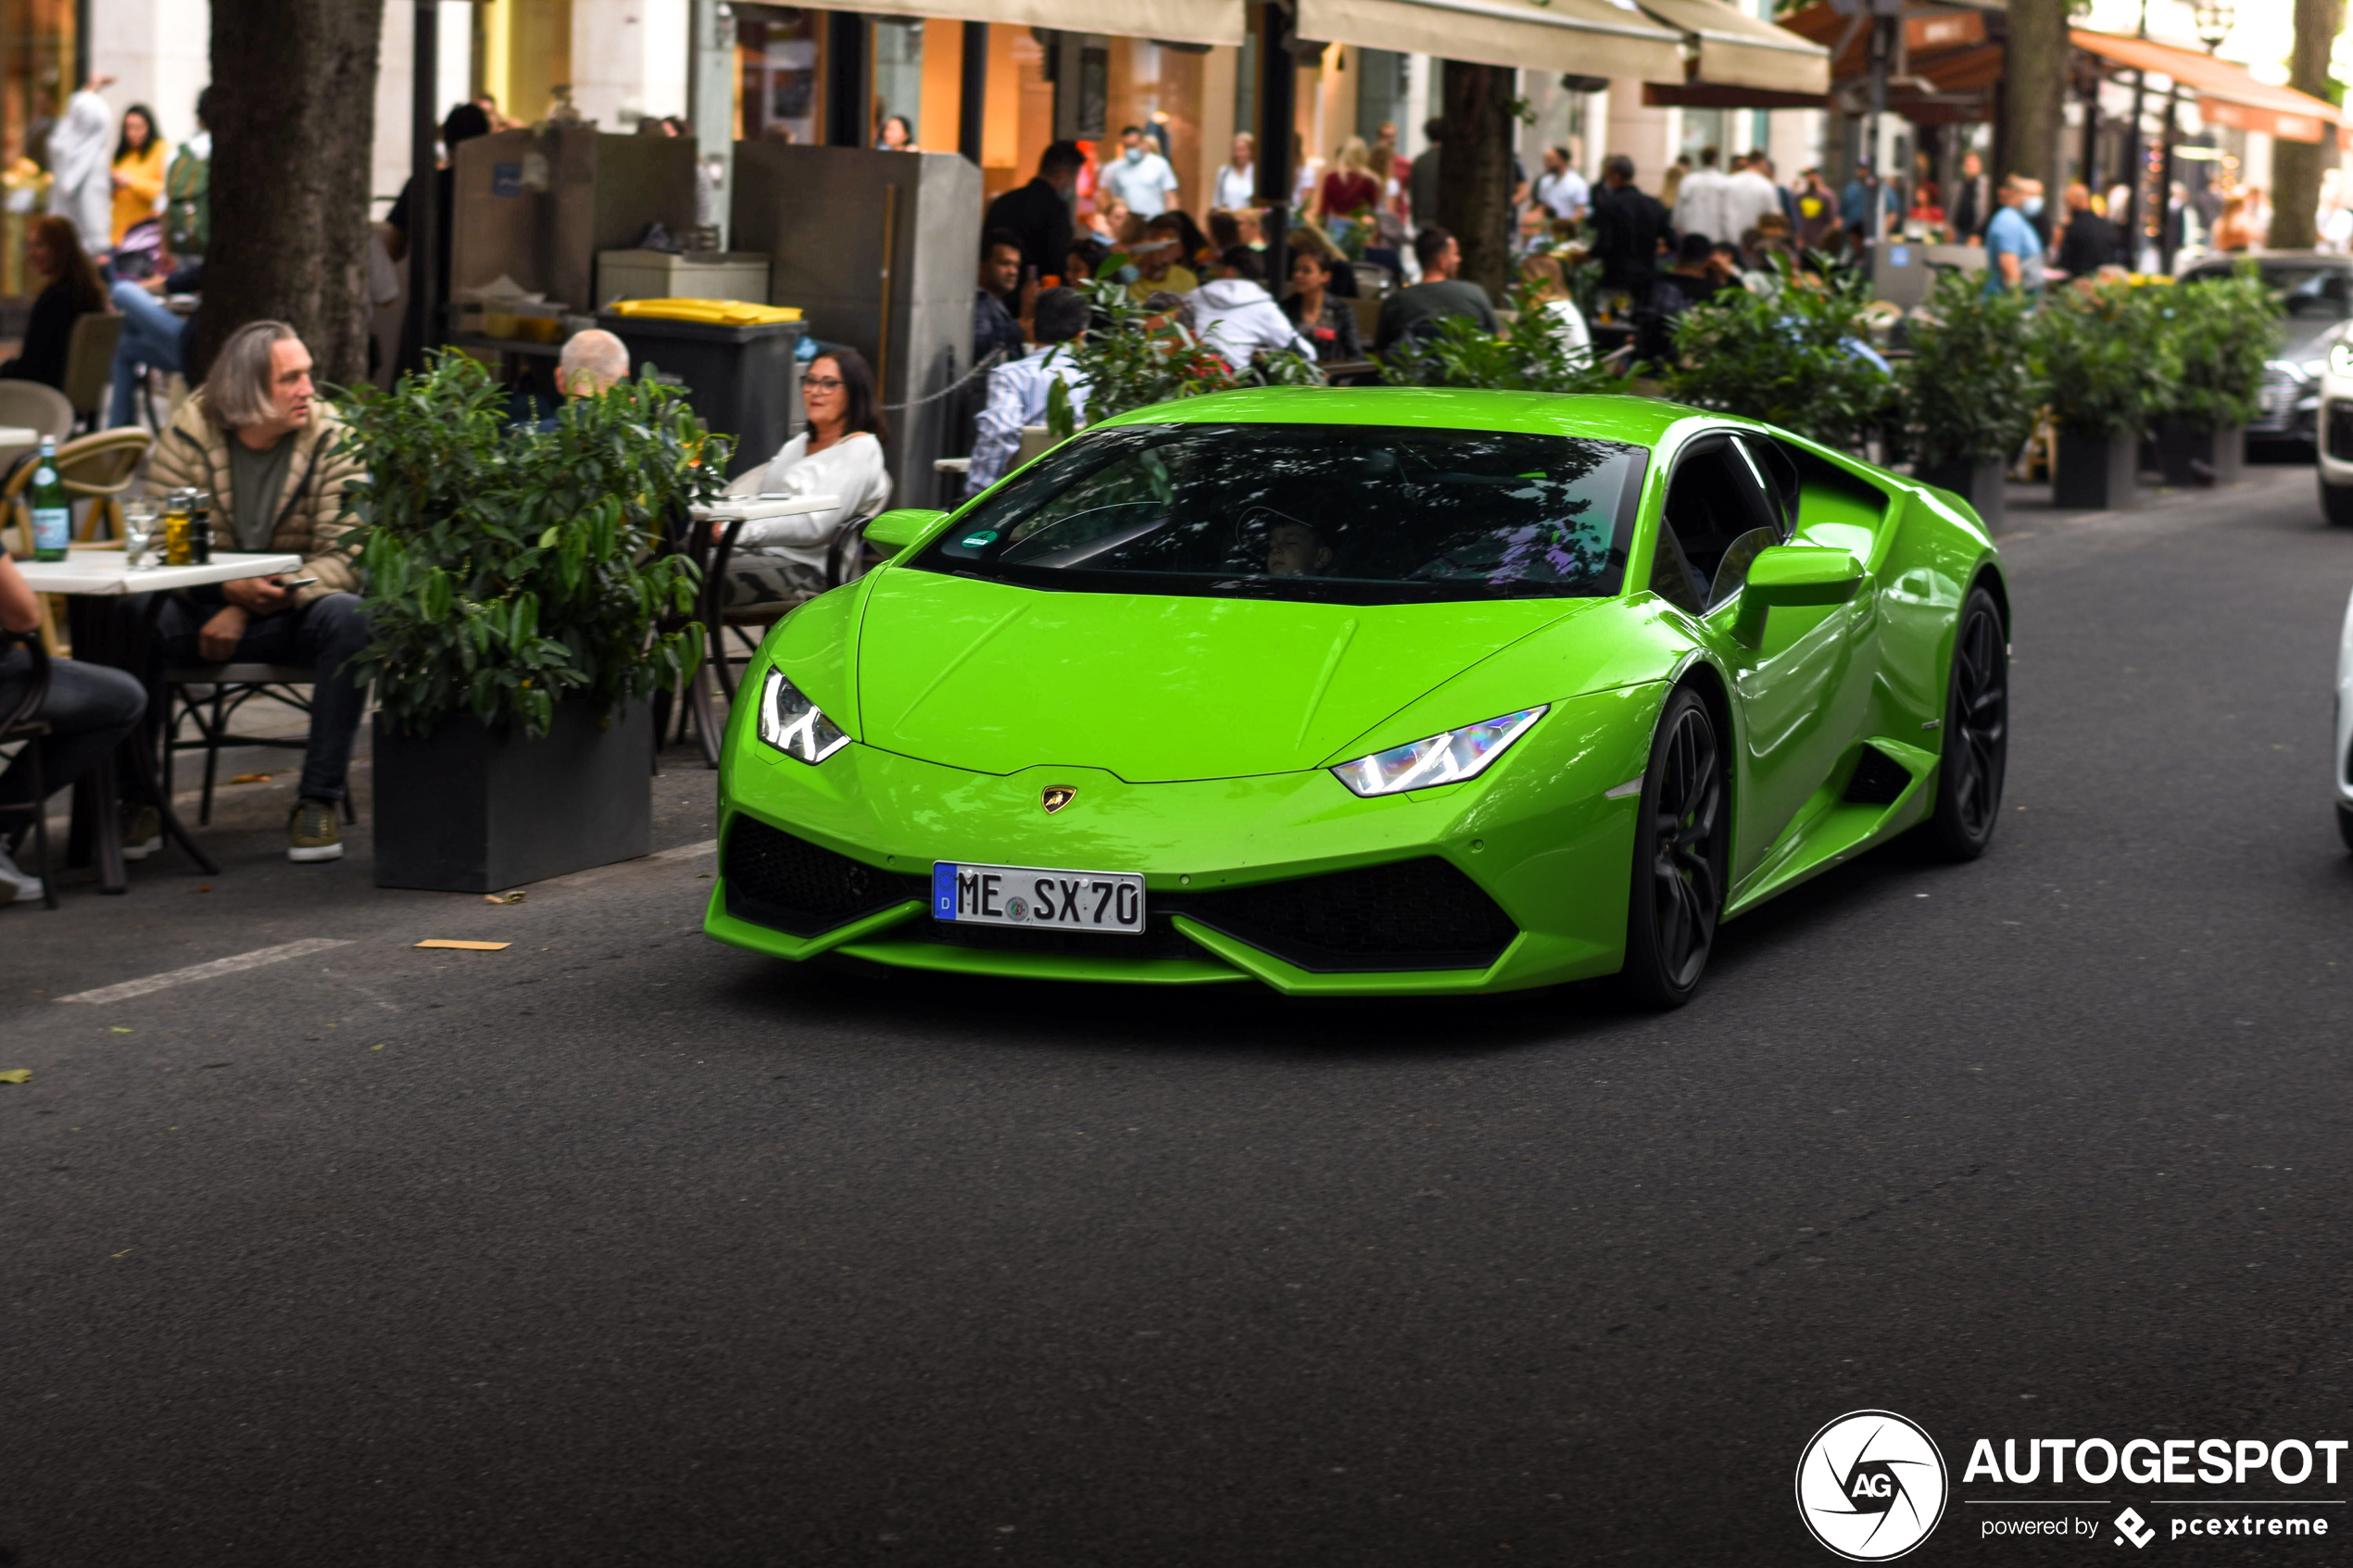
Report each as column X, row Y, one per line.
column 1404, row 915
column 777, row 880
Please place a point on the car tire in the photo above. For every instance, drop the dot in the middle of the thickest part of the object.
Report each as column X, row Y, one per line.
column 2337, row 504
column 1682, row 839
column 1976, row 733
column 2345, row 825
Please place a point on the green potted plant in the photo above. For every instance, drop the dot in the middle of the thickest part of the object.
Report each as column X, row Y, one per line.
column 2109, row 361
column 2227, row 328
column 523, row 609
column 1528, row 357
column 1790, row 357
column 1969, row 389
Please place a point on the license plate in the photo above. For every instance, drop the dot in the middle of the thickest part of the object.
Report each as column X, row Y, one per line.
column 1034, row 896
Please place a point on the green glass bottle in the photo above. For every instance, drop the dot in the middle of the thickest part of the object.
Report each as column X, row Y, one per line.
column 52, row 510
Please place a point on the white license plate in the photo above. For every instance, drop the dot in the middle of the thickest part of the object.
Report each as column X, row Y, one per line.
column 1032, row 896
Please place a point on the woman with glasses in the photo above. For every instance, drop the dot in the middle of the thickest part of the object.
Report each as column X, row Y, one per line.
column 783, row 559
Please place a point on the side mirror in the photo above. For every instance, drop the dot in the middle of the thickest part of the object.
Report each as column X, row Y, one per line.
column 893, row 531
column 1793, row 575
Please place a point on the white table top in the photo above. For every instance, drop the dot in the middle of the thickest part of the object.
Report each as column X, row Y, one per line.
column 102, row 572
column 19, row 435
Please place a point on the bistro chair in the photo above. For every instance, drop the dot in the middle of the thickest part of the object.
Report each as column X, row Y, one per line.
column 21, row 725
column 90, row 366
column 99, row 467
column 208, row 696
column 29, row 405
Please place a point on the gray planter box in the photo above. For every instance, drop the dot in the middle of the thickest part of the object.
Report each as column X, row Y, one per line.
column 2196, row 455
column 2095, row 471
column 470, row 809
column 1984, row 483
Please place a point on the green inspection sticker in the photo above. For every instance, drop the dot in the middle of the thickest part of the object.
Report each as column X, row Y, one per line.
column 979, row 541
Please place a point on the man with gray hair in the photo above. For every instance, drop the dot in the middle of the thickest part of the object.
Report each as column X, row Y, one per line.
column 276, row 462
column 593, row 362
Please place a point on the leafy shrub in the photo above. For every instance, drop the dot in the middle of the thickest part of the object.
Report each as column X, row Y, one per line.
column 1528, row 358
column 1971, row 389
column 507, row 570
column 1789, row 357
column 1130, row 363
column 2224, row 329
column 2109, row 357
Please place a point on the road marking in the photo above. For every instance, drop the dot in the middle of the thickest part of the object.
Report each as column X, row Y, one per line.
column 254, row 959
column 686, row 851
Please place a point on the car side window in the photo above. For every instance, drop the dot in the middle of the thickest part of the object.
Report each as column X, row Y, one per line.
column 1720, row 512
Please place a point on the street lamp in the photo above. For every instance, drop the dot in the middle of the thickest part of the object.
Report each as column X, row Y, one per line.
column 2213, row 20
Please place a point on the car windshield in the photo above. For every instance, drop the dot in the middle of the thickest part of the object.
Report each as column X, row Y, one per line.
column 1358, row 514
column 2310, row 291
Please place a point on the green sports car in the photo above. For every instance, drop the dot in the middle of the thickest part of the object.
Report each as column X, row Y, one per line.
column 1388, row 691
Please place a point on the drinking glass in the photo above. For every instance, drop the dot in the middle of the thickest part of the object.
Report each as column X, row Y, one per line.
column 140, row 515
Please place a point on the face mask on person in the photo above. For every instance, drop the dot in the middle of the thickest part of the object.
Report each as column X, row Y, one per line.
column 1134, row 154
column 2031, row 207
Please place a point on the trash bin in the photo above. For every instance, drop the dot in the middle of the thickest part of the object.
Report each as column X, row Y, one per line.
column 742, row 381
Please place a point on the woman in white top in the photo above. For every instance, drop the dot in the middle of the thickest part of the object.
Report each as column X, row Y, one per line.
column 840, row 454
column 1548, row 290
column 1237, row 182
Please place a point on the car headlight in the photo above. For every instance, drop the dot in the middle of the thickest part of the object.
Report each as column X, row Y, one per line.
column 793, row 724
column 2293, row 371
column 2341, row 360
column 2312, row 369
column 1447, row 758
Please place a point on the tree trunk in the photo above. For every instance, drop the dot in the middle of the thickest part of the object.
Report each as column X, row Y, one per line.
column 1475, row 172
column 293, row 135
column 2034, row 94
column 2297, row 166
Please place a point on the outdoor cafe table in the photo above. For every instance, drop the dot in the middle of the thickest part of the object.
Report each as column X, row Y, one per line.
column 90, row 582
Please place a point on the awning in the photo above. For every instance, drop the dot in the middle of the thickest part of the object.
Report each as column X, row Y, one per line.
column 1737, row 50
column 1179, row 22
column 2227, row 95
column 1576, row 37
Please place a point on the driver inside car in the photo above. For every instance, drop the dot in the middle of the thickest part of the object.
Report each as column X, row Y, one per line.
column 1293, row 549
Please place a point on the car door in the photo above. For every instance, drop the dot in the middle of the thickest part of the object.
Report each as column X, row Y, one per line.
column 1803, row 688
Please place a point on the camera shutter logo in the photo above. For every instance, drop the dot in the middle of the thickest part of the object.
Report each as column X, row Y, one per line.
column 1871, row 1486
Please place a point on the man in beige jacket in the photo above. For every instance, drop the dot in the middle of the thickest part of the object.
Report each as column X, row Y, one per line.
column 277, row 463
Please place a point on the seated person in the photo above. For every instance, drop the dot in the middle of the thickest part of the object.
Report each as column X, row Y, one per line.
column 1696, row 273
column 1293, row 549
column 1321, row 316
column 154, row 337
column 68, row 290
column 783, row 559
column 1160, row 261
column 89, row 709
column 593, row 362
column 996, row 301
column 1235, row 315
column 1017, row 392
column 274, row 458
column 1410, row 312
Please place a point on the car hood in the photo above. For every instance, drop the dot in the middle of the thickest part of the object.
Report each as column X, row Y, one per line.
column 997, row 677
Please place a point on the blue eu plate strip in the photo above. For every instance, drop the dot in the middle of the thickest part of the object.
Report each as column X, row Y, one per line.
column 943, row 889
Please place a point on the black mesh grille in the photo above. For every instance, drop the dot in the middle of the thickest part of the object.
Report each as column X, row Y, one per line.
column 774, row 879
column 1879, row 779
column 1408, row 914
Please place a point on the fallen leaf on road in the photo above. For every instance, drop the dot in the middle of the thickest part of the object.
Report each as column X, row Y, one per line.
column 502, row 897
column 17, row 1075
column 251, row 778
column 466, row 946
column 121, row 1030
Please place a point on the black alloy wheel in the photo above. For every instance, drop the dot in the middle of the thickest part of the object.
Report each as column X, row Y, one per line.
column 1977, row 732
column 1682, row 843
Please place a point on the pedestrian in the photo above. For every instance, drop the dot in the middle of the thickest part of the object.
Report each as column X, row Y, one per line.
column 1421, row 185
column 187, row 189
column 69, row 290
column 1560, row 190
column 1856, row 205
column 1349, row 190
column 898, row 136
column 2013, row 249
column 781, row 560
column 1972, row 200
column 1817, row 214
column 1411, row 313
column 1234, row 314
column 998, row 299
column 81, row 186
column 274, row 458
column 1322, row 317
column 461, row 125
column 1236, row 185
column 2089, row 241
column 1630, row 228
column 1670, row 190
column 88, row 709
column 1037, row 214
column 1018, row 391
column 140, row 157
column 1140, row 176
column 1702, row 205
column 1750, row 198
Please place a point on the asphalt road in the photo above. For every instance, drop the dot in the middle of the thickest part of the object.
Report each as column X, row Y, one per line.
column 620, row 1247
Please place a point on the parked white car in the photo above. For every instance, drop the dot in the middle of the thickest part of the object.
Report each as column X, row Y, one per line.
column 2343, row 752
column 2333, row 427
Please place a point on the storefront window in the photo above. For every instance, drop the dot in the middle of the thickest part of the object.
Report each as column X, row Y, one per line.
column 899, row 77
column 777, row 60
column 36, row 69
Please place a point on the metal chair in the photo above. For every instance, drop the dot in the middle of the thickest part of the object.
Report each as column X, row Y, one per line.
column 209, row 696
column 21, row 725
column 89, row 379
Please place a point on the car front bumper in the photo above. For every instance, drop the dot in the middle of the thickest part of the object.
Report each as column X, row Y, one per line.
column 1235, row 870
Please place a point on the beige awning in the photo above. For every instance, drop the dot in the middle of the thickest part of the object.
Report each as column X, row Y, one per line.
column 1179, row 22
column 1579, row 37
column 1738, row 50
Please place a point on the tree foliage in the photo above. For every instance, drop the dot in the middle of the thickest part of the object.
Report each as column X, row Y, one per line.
column 1789, row 357
column 507, row 569
column 1971, row 388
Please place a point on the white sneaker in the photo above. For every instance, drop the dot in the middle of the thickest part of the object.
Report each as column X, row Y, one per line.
column 21, row 886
